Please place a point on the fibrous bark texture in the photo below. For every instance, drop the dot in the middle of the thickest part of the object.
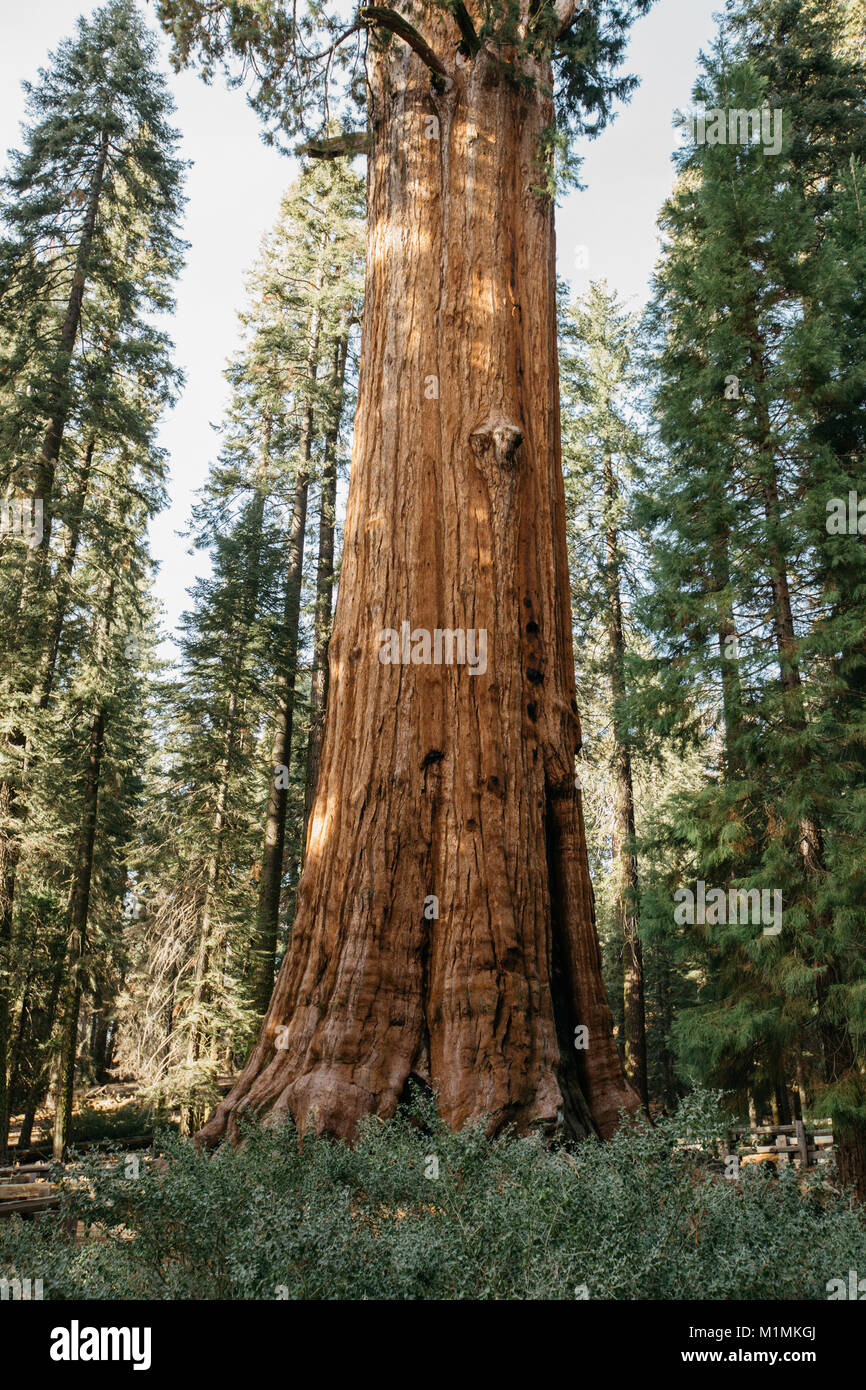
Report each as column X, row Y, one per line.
column 448, row 788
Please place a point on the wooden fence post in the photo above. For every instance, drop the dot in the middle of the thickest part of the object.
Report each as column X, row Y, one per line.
column 802, row 1143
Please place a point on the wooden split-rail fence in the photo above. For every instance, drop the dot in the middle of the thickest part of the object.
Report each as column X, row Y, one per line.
column 26, row 1188
column 29, row 1188
column 805, row 1144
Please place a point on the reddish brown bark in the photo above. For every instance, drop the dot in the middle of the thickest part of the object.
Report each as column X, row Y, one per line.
column 435, row 781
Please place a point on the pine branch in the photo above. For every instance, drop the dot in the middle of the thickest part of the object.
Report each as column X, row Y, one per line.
column 326, row 52
column 388, row 19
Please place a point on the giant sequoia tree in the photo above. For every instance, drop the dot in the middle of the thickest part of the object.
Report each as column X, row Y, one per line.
column 444, row 924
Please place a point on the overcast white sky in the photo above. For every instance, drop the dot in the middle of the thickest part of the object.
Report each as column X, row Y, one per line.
column 235, row 184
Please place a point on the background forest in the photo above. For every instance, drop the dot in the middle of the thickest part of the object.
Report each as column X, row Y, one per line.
column 153, row 816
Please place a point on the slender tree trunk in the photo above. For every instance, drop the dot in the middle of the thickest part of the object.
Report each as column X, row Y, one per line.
column 9, row 852
column 110, row 1042
column 324, row 584
column 240, row 645
column 104, row 999
column 40, row 1038
column 214, row 865
column 99, row 1035
column 274, row 846
column 63, row 583
column 668, row 1073
column 79, row 907
column 436, row 782
column 628, row 896
column 801, row 1086
column 60, row 401
column 20, row 1031
column 782, row 1102
column 732, row 704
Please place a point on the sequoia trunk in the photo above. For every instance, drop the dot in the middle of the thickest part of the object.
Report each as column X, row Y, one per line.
column 445, row 923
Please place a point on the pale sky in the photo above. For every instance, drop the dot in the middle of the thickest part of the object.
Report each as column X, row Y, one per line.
column 234, row 188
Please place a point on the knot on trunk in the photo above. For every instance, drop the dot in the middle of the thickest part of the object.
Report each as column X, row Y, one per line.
column 499, row 437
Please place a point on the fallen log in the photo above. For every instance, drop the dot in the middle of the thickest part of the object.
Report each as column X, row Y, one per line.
column 11, row 1190
column 43, row 1151
column 29, row 1206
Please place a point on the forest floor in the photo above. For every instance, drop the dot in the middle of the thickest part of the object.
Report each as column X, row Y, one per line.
column 115, row 1110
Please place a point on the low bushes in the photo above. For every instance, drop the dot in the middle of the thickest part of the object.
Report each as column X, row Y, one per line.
column 415, row 1212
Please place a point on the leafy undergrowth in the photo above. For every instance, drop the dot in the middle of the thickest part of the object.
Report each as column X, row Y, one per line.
column 415, row 1212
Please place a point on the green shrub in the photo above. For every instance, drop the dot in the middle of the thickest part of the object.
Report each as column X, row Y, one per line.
column 644, row 1216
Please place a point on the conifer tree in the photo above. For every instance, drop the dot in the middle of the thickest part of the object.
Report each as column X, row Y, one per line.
column 761, row 385
column 313, row 265
column 228, row 718
column 90, row 248
column 601, row 445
